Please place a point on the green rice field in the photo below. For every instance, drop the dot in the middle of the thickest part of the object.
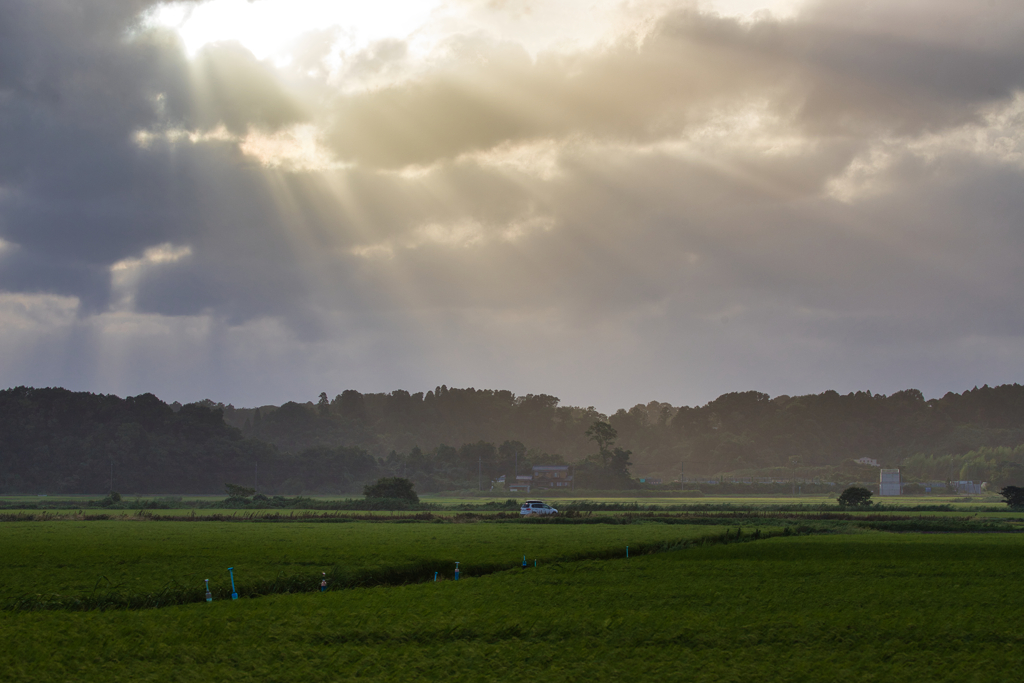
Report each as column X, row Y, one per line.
column 831, row 601
column 859, row 607
column 71, row 559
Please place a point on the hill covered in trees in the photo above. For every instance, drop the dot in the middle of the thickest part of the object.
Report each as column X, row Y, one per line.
column 58, row 441
column 743, row 434
column 54, row 440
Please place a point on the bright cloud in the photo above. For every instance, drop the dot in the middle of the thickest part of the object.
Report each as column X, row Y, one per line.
column 609, row 201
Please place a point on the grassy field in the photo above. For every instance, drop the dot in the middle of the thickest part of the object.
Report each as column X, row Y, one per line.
column 987, row 502
column 739, row 501
column 68, row 560
column 457, row 499
column 845, row 607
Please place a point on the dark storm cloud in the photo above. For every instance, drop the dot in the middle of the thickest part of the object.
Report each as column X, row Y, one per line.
column 29, row 272
column 75, row 85
column 878, row 63
column 68, row 95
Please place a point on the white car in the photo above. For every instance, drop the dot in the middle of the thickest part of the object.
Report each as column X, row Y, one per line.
column 536, row 507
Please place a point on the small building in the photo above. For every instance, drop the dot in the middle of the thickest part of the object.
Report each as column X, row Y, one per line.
column 890, row 483
column 522, row 483
column 552, row 476
column 971, row 488
column 867, row 461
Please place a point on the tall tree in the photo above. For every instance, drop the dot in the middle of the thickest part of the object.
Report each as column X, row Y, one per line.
column 604, row 435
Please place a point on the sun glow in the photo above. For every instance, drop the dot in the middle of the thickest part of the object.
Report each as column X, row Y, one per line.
column 277, row 29
column 270, row 28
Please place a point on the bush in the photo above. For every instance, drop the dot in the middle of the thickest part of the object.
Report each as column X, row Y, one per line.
column 113, row 498
column 855, row 497
column 236, row 491
column 392, row 487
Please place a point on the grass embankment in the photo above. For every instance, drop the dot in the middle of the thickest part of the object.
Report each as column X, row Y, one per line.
column 558, row 498
column 867, row 607
column 291, row 507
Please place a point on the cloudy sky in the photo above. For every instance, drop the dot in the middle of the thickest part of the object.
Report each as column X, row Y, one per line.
column 612, row 202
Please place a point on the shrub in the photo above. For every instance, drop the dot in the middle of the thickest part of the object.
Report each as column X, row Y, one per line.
column 236, row 491
column 392, row 487
column 111, row 499
column 855, row 497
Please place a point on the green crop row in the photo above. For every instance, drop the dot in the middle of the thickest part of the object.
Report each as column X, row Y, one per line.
column 114, row 564
column 846, row 608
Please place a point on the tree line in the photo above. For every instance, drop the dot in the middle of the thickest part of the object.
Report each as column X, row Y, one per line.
column 739, row 434
column 55, row 440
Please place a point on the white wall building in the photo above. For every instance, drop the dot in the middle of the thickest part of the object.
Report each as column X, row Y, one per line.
column 890, row 483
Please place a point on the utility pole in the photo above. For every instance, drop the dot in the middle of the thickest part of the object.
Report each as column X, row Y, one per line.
column 256, row 479
column 681, row 480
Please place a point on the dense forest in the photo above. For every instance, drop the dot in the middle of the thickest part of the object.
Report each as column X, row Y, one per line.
column 745, row 434
column 54, row 440
column 58, row 441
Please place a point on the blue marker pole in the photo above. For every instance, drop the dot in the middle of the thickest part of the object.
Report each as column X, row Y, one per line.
column 627, row 552
column 234, row 594
column 209, row 596
column 435, row 577
column 524, row 561
column 323, row 582
column 535, row 563
column 456, row 571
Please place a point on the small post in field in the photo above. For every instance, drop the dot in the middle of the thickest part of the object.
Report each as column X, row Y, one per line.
column 456, row 571
column 234, row 593
column 209, row 595
column 323, row 582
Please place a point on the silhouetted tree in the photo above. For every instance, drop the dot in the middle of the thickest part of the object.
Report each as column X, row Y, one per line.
column 1013, row 495
column 855, row 497
column 392, row 487
column 603, row 434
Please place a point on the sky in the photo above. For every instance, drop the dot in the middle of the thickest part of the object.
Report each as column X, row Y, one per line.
column 609, row 202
